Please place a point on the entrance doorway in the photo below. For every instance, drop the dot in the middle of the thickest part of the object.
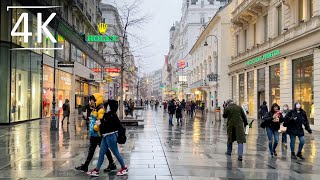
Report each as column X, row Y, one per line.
column 261, row 89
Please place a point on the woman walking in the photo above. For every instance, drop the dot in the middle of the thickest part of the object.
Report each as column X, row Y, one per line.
column 284, row 112
column 263, row 109
column 294, row 121
column 179, row 113
column 272, row 122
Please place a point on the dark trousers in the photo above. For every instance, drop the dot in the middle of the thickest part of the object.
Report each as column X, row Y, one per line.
column 65, row 117
column 94, row 142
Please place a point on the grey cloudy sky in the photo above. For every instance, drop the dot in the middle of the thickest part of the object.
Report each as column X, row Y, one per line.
column 156, row 32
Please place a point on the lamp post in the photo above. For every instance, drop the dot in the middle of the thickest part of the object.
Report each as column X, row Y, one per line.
column 54, row 120
column 217, row 43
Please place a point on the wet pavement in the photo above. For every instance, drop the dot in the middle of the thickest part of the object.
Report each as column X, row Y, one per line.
column 193, row 151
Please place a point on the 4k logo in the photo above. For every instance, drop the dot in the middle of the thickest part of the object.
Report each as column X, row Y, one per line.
column 40, row 28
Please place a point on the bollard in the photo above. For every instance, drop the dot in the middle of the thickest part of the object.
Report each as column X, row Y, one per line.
column 218, row 112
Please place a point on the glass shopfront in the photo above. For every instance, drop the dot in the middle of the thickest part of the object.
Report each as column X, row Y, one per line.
column 241, row 89
column 274, row 75
column 261, row 87
column 82, row 93
column 234, row 88
column 303, row 84
column 250, row 91
column 25, row 86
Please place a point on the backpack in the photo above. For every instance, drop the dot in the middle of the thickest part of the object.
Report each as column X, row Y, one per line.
column 122, row 138
column 64, row 107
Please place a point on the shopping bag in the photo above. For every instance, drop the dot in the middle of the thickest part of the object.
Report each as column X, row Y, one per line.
column 282, row 128
column 247, row 130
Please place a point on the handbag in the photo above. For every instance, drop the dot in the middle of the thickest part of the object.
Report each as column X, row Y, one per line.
column 282, row 128
column 247, row 130
column 122, row 138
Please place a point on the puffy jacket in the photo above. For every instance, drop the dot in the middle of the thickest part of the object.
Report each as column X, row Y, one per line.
column 268, row 120
column 294, row 122
column 96, row 115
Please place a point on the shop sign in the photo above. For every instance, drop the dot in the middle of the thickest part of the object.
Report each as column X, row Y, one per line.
column 66, row 64
column 182, row 64
column 212, row 77
column 184, row 85
column 102, row 27
column 183, row 78
column 66, row 80
column 97, row 70
column 263, row 57
column 113, row 70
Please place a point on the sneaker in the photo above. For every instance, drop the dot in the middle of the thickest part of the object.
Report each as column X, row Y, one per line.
column 123, row 172
column 94, row 173
column 110, row 168
column 275, row 153
column 227, row 153
column 299, row 155
column 293, row 156
column 82, row 168
column 240, row 158
column 271, row 155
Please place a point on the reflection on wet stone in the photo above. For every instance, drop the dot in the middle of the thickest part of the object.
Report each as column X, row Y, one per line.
column 154, row 150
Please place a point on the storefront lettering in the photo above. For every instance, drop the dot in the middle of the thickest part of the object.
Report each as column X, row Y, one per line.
column 264, row 57
column 66, row 80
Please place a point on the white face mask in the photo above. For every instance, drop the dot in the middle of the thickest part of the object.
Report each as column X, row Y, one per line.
column 108, row 108
column 298, row 106
column 285, row 108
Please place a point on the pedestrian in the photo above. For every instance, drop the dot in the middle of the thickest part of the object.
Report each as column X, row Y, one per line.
column 284, row 112
column 188, row 108
column 66, row 111
column 193, row 108
column 141, row 102
column 96, row 100
column 171, row 111
column 245, row 108
column 202, row 107
column 263, row 109
column 109, row 129
column 237, row 120
column 165, row 105
column 294, row 121
column 179, row 110
column 272, row 122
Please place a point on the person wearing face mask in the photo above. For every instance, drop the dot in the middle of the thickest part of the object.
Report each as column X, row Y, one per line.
column 294, row 121
column 284, row 112
column 272, row 122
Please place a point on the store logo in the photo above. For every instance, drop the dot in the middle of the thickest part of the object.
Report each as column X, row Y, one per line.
column 102, row 28
column 182, row 64
column 263, row 57
column 42, row 27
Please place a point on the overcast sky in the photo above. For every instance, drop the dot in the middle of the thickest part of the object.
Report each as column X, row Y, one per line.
column 156, row 32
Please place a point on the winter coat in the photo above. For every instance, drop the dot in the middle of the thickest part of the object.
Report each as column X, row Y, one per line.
column 171, row 108
column 96, row 115
column 66, row 112
column 236, row 122
column 294, row 122
column 268, row 121
column 110, row 121
column 179, row 111
column 263, row 110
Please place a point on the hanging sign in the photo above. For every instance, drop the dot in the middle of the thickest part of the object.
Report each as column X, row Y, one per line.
column 182, row 64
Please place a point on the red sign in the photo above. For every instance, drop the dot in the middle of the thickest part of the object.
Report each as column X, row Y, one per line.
column 97, row 70
column 113, row 70
column 182, row 64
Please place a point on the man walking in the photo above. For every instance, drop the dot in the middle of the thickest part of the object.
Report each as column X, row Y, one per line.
column 66, row 111
column 171, row 110
column 237, row 120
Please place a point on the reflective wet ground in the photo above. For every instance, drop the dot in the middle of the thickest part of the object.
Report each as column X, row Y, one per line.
column 154, row 150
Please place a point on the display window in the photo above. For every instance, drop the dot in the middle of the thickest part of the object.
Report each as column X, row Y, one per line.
column 303, row 84
column 234, row 86
column 241, row 89
column 274, row 75
column 250, row 91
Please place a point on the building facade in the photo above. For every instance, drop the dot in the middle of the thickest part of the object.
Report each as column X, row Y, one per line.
column 276, row 54
column 156, row 83
column 27, row 75
column 209, row 59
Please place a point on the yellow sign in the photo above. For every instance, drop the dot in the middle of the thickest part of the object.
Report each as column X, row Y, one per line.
column 102, row 28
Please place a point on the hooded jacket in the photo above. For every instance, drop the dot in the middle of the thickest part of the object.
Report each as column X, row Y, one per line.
column 294, row 122
column 96, row 115
column 110, row 122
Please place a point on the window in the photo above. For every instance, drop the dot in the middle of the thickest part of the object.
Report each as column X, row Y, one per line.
column 245, row 40
column 279, row 8
column 202, row 3
column 265, row 28
column 303, row 84
column 254, row 34
column 250, row 92
column 274, row 74
column 234, row 88
column 194, row 1
column 237, row 44
column 261, row 87
column 202, row 20
column 301, row 11
column 241, row 89
column 311, row 9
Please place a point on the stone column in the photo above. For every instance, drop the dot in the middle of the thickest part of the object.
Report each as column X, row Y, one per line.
column 316, row 88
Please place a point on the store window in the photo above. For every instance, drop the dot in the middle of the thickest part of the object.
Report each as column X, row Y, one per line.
column 261, row 87
column 303, row 84
column 73, row 53
column 274, row 75
column 234, row 88
column 5, row 81
column 47, row 91
column 250, row 92
column 241, row 89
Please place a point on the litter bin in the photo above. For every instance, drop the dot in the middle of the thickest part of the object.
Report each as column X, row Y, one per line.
column 55, row 119
column 218, row 113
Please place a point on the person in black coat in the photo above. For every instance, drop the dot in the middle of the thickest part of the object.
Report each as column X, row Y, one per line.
column 272, row 122
column 294, row 121
column 263, row 109
column 171, row 111
column 179, row 113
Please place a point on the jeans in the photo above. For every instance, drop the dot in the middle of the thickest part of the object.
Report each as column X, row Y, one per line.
column 240, row 149
column 94, row 142
column 293, row 142
column 170, row 119
column 271, row 133
column 284, row 138
column 110, row 141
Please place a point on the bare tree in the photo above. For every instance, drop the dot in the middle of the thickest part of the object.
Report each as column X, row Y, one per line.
column 131, row 19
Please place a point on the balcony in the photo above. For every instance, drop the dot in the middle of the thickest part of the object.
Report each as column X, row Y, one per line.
column 247, row 10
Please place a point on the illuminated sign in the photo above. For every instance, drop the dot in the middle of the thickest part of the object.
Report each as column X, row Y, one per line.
column 113, row 70
column 182, row 64
column 183, row 78
column 102, row 27
column 263, row 57
column 97, row 70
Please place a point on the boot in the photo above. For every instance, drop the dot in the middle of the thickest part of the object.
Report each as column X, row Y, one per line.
column 293, row 155
column 299, row 155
